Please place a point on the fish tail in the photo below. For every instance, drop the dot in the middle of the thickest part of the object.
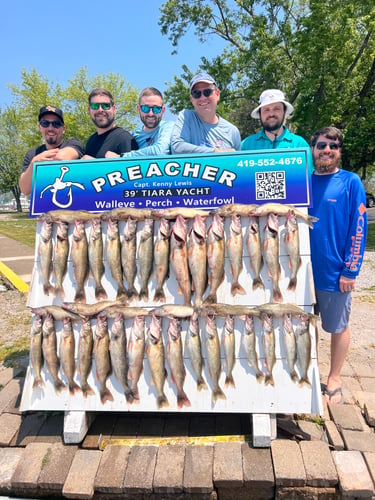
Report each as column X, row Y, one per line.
column 80, row 296
column 105, row 395
column 311, row 219
column 201, row 384
column 210, row 299
column 218, row 394
column 87, row 390
column 121, row 293
column 159, row 295
column 38, row 382
column 73, row 387
column 260, row 377
column 59, row 292
column 135, row 392
column 277, row 296
column 237, row 288
column 100, row 293
column 132, row 293
column 229, row 381
column 294, row 376
column 258, row 283
column 59, row 385
column 269, row 380
column 292, row 284
column 47, row 287
column 143, row 294
column 182, row 400
column 304, row 381
column 162, row 401
column 129, row 395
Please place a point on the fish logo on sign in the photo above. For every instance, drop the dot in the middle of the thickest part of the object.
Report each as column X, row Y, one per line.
column 59, row 185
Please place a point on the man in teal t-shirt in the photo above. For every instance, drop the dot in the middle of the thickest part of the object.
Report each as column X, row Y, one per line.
column 272, row 111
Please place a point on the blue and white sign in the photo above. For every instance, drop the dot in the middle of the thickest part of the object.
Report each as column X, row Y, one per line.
column 200, row 181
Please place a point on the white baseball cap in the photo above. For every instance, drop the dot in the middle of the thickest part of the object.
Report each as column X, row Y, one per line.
column 268, row 97
column 201, row 77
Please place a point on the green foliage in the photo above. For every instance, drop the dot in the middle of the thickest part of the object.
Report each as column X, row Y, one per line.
column 321, row 54
column 19, row 122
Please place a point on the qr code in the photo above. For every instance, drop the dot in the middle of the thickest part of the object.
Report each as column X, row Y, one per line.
column 270, row 185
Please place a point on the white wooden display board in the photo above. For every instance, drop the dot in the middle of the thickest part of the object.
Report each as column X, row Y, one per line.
column 248, row 396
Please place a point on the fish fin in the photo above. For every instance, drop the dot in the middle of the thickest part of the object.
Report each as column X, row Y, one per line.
column 182, row 400
column 259, row 377
column 100, row 293
column 269, row 380
column 311, row 219
column 129, row 395
column 258, row 283
column 292, row 284
column 73, row 387
column 121, row 293
column 294, row 376
column 59, row 385
column 159, row 295
column 143, row 294
column 218, row 394
column 105, row 395
column 38, row 382
column 162, row 401
column 87, row 390
column 210, row 299
column 277, row 296
column 229, row 381
column 236, row 288
column 47, row 287
column 132, row 293
column 80, row 296
column 201, row 384
column 304, row 381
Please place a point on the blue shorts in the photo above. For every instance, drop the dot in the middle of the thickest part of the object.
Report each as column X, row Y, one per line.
column 334, row 309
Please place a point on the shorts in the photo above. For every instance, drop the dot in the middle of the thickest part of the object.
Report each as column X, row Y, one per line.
column 334, row 309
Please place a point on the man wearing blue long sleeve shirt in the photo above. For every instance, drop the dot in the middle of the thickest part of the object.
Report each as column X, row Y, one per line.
column 154, row 135
column 338, row 242
column 202, row 130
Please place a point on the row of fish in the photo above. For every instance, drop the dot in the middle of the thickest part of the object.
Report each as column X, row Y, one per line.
column 114, row 353
column 196, row 256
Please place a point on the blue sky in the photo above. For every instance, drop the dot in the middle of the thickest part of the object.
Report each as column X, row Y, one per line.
column 119, row 36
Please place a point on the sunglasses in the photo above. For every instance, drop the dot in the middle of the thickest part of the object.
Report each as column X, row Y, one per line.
column 155, row 109
column 332, row 145
column 197, row 93
column 105, row 105
column 47, row 123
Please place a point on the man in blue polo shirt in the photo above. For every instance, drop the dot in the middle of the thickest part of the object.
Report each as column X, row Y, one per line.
column 272, row 111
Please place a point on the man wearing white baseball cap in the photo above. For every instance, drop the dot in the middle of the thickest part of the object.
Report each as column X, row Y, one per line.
column 272, row 111
column 202, row 130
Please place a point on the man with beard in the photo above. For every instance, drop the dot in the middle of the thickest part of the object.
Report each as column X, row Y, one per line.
column 154, row 136
column 272, row 111
column 52, row 128
column 337, row 246
column 202, row 130
column 108, row 136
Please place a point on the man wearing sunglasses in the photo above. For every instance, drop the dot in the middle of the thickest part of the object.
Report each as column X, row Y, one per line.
column 108, row 137
column 202, row 130
column 272, row 111
column 337, row 246
column 52, row 128
column 154, row 135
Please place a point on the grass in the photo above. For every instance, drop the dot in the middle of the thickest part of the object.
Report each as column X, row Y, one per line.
column 9, row 354
column 22, row 228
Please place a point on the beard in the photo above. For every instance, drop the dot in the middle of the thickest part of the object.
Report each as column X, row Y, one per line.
column 103, row 121
column 51, row 140
column 271, row 128
column 326, row 165
column 151, row 122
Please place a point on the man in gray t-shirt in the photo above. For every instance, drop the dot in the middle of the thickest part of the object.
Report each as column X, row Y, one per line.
column 202, row 130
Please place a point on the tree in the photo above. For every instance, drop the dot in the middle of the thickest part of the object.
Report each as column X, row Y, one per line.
column 18, row 122
column 321, row 54
column 10, row 153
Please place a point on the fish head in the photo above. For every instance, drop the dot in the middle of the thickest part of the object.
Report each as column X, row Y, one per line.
column 217, row 226
column 155, row 329
column 164, row 230
column 199, row 227
column 272, row 223
column 179, row 229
